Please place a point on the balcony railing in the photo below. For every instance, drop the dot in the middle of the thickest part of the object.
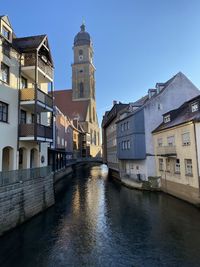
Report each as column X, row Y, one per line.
column 28, row 94
column 41, row 131
column 16, row 176
column 30, row 60
column 166, row 151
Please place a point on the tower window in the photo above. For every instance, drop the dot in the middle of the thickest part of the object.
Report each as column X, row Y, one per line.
column 80, row 54
column 81, row 89
column 93, row 114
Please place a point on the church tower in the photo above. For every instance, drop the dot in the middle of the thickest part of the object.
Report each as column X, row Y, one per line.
column 83, row 70
column 83, row 86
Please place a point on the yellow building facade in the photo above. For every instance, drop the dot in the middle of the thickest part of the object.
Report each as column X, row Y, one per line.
column 177, row 150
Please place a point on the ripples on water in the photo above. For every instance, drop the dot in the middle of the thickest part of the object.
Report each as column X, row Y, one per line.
column 96, row 222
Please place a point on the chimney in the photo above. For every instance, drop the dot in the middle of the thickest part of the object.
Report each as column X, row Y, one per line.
column 114, row 102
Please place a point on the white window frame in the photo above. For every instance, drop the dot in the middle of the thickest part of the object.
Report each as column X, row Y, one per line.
column 171, row 140
column 195, row 107
column 186, row 139
column 177, row 166
column 160, row 141
column 188, row 167
column 167, row 118
column 161, row 164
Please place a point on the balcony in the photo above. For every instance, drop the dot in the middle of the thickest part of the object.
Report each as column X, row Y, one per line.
column 28, row 96
column 30, row 132
column 45, row 71
column 166, row 151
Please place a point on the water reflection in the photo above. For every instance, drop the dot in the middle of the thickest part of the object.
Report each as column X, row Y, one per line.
column 96, row 222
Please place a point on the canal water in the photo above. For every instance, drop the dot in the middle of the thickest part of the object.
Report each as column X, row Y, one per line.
column 97, row 222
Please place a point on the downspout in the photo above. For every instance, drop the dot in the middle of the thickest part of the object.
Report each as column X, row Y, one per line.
column 196, row 155
column 35, row 95
column 19, row 96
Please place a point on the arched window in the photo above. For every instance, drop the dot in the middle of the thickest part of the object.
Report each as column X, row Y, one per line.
column 81, row 90
column 94, row 115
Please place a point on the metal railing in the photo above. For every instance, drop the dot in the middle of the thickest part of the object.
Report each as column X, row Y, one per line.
column 30, row 60
column 28, row 94
column 19, row 176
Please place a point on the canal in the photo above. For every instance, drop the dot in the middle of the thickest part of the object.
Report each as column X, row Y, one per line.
column 97, row 222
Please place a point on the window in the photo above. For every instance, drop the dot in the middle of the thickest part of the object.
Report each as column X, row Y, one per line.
column 22, row 117
column 167, row 118
column 5, row 32
column 159, row 106
column 6, row 48
column 161, row 165
column 95, row 138
column 188, row 166
column 3, row 112
column 195, row 107
column 94, row 114
column 168, row 165
column 24, row 83
column 186, row 139
column 177, row 166
column 170, row 140
column 80, row 54
column 127, row 125
column 81, row 89
column 32, row 118
column 58, row 140
column 160, row 141
column 128, row 144
column 91, row 136
column 4, row 73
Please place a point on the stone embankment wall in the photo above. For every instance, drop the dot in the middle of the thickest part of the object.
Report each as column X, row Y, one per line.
column 21, row 200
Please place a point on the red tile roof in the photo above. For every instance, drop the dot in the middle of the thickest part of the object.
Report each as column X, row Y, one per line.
column 72, row 109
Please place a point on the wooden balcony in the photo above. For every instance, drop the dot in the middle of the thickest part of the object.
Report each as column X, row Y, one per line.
column 30, row 132
column 166, row 151
column 45, row 70
column 28, row 96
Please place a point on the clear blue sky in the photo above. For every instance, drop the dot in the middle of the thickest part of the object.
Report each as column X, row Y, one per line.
column 137, row 42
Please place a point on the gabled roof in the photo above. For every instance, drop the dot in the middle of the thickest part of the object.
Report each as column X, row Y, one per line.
column 181, row 115
column 112, row 114
column 72, row 109
column 30, row 43
column 5, row 18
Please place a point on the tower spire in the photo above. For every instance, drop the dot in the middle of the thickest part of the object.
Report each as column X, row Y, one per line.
column 83, row 25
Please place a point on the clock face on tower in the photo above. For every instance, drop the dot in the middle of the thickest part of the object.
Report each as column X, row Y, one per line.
column 80, row 57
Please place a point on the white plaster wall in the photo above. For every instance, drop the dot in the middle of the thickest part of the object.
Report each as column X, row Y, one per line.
column 179, row 91
column 9, row 131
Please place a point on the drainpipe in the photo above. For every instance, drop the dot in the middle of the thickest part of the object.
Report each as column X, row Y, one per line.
column 35, row 95
column 196, row 155
column 19, row 94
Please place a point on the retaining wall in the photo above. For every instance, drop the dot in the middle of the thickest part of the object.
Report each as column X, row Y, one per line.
column 22, row 200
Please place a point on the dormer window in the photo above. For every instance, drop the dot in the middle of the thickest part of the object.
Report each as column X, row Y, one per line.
column 195, row 107
column 5, row 32
column 167, row 118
